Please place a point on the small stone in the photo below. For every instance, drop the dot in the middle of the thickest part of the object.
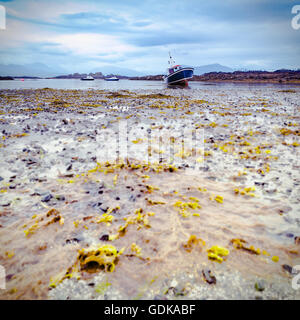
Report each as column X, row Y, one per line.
column 9, row 276
column 209, row 277
column 47, row 197
column 104, row 237
column 68, row 241
column 289, row 235
column 5, row 204
column 60, row 198
column 260, row 285
column 104, row 210
column 97, row 204
column 69, row 167
column 287, row 268
column 297, row 240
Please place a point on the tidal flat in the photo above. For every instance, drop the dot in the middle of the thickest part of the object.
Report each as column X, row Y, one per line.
column 150, row 194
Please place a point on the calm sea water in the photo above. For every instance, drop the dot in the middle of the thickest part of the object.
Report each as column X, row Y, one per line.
column 102, row 84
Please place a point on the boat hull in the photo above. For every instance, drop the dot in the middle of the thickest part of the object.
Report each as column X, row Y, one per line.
column 111, row 79
column 180, row 76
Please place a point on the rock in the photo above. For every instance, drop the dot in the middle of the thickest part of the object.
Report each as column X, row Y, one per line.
column 132, row 198
column 104, row 237
column 60, row 198
column 180, row 290
column 38, row 192
column 297, row 240
column 1, row 179
column 96, row 204
column 104, row 210
column 68, row 241
column 287, row 268
column 9, row 276
column 260, row 285
column 69, row 167
column 208, row 276
column 47, row 197
column 5, row 204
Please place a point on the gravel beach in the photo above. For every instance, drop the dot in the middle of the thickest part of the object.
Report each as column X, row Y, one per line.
column 150, row 194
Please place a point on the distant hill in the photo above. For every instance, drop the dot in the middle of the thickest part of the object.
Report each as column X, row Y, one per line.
column 32, row 69
column 211, row 68
column 279, row 76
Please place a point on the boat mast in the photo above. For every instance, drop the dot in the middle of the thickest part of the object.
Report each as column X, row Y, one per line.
column 171, row 61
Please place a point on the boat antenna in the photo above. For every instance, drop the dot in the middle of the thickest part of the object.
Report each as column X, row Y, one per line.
column 171, row 61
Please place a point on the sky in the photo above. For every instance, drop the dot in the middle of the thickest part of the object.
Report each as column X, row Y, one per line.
column 82, row 36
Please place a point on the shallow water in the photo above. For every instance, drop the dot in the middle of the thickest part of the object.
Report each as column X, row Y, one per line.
column 83, row 127
column 122, row 84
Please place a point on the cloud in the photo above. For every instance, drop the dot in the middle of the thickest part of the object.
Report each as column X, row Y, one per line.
column 139, row 34
column 92, row 44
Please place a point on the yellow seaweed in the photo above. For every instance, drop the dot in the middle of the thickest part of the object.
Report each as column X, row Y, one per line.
column 217, row 253
column 95, row 258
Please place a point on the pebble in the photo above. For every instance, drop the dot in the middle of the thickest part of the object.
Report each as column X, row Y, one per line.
column 260, row 285
column 47, row 198
column 208, row 276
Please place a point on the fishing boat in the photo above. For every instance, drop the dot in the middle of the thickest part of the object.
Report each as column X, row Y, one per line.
column 88, row 78
column 177, row 74
column 111, row 79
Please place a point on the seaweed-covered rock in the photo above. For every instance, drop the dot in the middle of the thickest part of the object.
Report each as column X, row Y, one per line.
column 99, row 258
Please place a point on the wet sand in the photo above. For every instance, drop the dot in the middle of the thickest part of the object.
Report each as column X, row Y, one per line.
column 162, row 176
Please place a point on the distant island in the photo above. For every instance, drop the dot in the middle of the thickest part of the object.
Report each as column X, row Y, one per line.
column 6, row 78
column 96, row 75
column 279, row 76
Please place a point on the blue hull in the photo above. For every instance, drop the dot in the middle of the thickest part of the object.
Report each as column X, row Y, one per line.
column 179, row 76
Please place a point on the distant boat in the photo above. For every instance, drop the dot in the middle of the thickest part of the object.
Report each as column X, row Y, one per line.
column 88, row 78
column 111, row 79
column 177, row 74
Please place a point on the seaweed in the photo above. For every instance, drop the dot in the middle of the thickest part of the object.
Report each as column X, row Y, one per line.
column 135, row 248
column 241, row 244
column 99, row 258
column 217, row 253
column 192, row 243
column 184, row 206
